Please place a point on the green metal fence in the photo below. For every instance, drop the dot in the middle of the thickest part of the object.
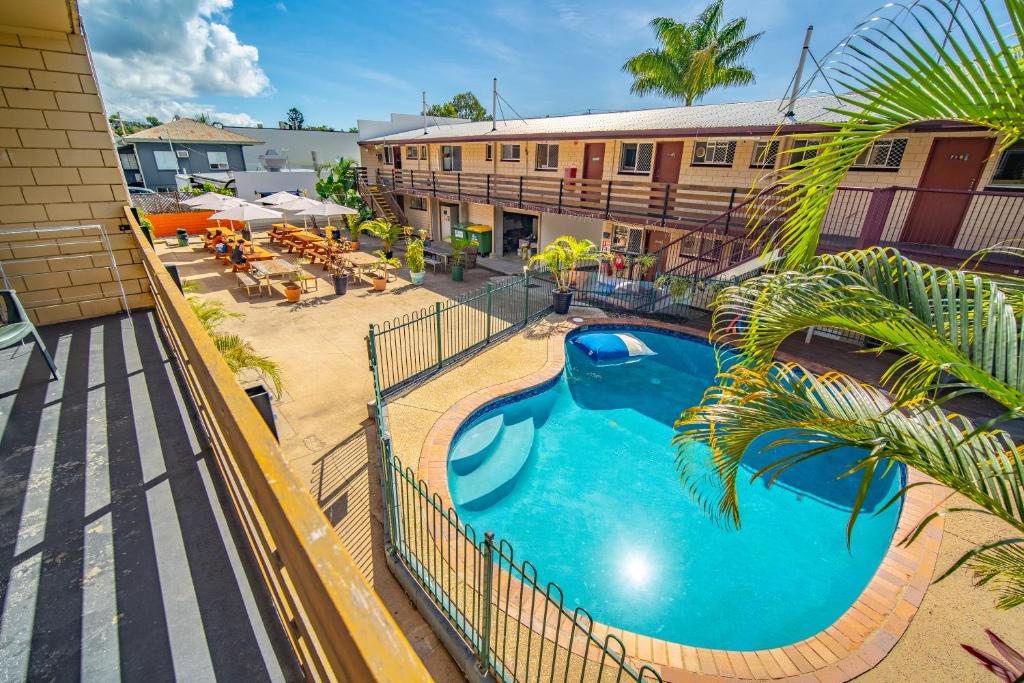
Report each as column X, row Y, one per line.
column 517, row 627
column 420, row 343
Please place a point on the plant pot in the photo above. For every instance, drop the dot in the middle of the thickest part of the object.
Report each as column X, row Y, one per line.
column 417, row 278
column 379, row 283
column 261, row 398
column 561, row 300
column 292, row 292
column 340, row 284
column 355, row 244
column 390, row 253
column 457, row 272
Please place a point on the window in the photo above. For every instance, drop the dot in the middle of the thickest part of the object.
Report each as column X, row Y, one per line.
column 218, row 160
column 1010, row 170
column 488, row 152
column 882, row 154
column 387, row 156
column 412, row 152
column 165, row 160
column 510, row 152
column 714, row 153
column 547, row 157
column 636, row 157
column 451, row 158
column 423, row 152
column 765, row 152
column 799, row 154
column 417, row 203
column 129, row 162
column 628, row 239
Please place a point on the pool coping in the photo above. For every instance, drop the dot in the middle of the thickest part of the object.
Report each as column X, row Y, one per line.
column 854, row 644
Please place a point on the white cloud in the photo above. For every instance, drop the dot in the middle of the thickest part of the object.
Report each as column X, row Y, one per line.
column 158, row 55
column 165, row 110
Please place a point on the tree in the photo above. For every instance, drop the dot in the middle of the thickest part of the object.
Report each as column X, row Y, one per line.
column 352, row 129
column 464, row 105
column 957, row 330
column 695, row 58
column 320, row 127
column 203, row 117
column 340, row 185
column 153, row 121
column 295, row 118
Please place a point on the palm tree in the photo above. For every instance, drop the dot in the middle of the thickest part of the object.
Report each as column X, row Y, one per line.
column 693, row 59
column 563, row 256
column 384, row 230
column 957, row 330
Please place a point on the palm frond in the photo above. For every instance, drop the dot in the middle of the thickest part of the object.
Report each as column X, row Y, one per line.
column 832, row 411
column 240, row 355
column 898, row 73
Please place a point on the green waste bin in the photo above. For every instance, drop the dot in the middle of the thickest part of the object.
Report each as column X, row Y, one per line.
column 481, row 236
column 459, row 230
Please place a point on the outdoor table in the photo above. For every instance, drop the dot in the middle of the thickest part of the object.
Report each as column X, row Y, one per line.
column 360, row 262
column 259, row 254
column 301, row 239
column 279, row 231
column 440, row 250
column 271, row 268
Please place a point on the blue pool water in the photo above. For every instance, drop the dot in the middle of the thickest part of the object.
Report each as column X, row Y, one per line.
column 579, row 477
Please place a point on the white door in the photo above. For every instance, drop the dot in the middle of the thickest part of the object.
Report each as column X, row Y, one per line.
column 446, row 222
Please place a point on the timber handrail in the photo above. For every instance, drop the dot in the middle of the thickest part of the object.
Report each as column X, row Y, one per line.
column 337, row 626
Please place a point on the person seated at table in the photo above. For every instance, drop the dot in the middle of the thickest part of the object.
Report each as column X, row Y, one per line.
column 220, row 248
column 214, row 240
column 238, row 259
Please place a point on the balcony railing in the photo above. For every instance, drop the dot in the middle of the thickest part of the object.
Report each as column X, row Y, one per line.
column 657, row 204
column 338, row 628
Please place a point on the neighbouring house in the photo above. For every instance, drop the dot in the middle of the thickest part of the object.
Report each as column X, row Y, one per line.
column 637, row 181
column 182, row 147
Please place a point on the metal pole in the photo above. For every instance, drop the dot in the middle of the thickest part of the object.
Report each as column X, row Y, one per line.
column 664, row 205
column 526, row 297
column 437, row 326
column 520, row 191
column 485, row 634
column 799, row 72
column 424, row 112
column 608, row 200
column 561, row 186
column 494, row 105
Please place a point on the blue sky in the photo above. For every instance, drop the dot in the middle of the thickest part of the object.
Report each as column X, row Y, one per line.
column 248, row 60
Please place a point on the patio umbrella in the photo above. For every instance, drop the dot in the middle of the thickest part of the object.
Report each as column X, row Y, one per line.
column 326, row 209
column 277, row 198
column 213, row 201
column 245, row 212
column 297, row 205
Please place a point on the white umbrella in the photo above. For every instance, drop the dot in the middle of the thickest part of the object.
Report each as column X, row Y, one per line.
column 277, row 198
column 245, row 212
column 327, row 209
column 213, row 200
column 297, row 205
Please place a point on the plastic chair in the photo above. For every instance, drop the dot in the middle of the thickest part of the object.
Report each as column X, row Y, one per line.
column 16, row 326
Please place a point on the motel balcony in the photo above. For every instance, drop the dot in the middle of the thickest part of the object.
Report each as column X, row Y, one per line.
column 150, row 527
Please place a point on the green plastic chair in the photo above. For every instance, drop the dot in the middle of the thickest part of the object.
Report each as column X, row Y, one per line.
column 15, row 327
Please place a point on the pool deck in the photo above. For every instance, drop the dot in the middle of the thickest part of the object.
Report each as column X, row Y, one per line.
column 899, row 613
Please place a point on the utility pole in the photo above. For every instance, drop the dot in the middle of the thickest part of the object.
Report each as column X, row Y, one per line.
column 424, row 112
column 494, row 105
column 799, row 72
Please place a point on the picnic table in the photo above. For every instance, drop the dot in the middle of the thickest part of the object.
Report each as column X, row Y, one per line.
column 361, row 263
column 278, row 231
column 438, row 253
column 265, row 271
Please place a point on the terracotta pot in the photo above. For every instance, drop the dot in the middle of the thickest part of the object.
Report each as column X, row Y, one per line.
column 292, row 292
column 379, row 283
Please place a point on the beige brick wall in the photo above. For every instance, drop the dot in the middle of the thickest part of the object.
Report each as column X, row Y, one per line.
column 58, row 167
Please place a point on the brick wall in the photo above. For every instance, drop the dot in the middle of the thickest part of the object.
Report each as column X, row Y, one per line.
column 58, row 167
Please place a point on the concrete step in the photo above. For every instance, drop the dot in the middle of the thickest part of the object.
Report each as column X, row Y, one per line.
column 499, row 474
column 475, row 444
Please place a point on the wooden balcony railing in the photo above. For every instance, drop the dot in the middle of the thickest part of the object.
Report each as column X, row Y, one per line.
column 338, row 628
column 658, row 204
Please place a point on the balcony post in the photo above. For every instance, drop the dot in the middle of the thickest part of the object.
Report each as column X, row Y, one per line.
column 664, row 204
column 433, row 182
column 488, row 186
column 458, row 185
column 412, row 179
column 877, row 214
column 561, row 186
column 520, row 192
column 393, row 186
column 608, row 200
column 728, row 214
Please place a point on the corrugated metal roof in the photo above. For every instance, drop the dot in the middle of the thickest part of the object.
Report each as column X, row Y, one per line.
column 704, row 117
column 189, row 130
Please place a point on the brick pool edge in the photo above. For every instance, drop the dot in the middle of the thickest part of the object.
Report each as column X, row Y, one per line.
column 855, row 643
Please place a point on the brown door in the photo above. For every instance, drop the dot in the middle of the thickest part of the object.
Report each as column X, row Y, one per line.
column 656, row 239
column 953, row 164
column 593, row 170
column 396, row 154
column 668, row 159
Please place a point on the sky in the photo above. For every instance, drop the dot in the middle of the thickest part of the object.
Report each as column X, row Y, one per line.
column 249, row 61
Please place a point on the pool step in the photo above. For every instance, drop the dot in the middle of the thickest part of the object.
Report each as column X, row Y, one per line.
column 475, row 444
column 497, row 476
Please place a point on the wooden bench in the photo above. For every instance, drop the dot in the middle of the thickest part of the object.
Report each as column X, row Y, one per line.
column 247, row 282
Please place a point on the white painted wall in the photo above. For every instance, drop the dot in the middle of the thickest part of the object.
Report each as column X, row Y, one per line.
column 553, row 226
column 298, row 146
column 252, row 185
column 399, row 123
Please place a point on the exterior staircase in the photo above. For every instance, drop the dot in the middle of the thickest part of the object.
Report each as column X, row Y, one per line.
column 383, row 203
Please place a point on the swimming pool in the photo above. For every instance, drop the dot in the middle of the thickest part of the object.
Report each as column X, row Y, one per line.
column 578, row 475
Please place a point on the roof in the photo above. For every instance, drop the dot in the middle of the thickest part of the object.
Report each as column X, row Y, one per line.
column 189, row 130
column 703, row 119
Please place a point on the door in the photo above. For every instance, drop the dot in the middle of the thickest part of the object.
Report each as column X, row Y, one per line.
column 668, row 159
column 953, row 164
column 516, row 228
column 396, row 155
column 446, row 222
column 656, row 240
column 593, row 170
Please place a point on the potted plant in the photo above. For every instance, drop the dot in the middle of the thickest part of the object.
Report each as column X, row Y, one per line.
column 380, row 276
column 339, row 276
column 459, row 246
column 355, row 226
column 643, row 264
column 425, row 236
column 384, row 230
column 678, row 287
column 292, row 288
column 414, row 259
column 562, row 258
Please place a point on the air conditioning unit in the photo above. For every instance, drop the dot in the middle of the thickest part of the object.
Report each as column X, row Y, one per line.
column 138, row 177
column 218, row 167
column 182, row 153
